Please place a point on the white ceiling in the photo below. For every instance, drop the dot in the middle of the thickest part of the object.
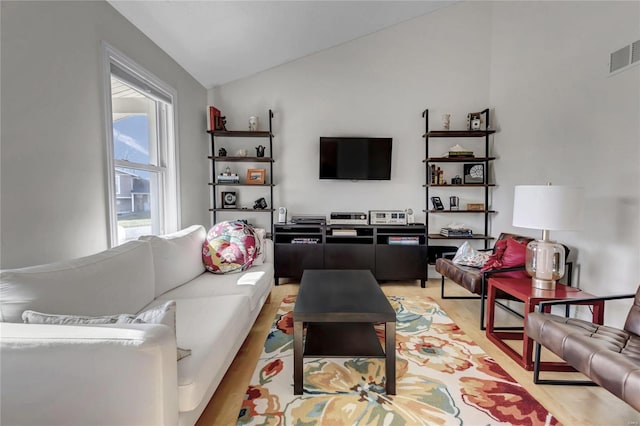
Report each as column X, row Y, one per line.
column 221, row 41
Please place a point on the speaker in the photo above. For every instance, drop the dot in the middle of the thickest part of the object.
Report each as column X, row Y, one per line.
column 282, row 215
column 411, row 219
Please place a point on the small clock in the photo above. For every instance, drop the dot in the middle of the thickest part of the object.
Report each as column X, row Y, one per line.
column 229, row 200
column 474, row 173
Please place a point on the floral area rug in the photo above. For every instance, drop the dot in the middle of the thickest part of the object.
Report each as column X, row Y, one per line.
column 443, row 378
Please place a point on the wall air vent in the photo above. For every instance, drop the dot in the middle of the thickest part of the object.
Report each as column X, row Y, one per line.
column 635, row 51
column 619, row 59
column 624, row 58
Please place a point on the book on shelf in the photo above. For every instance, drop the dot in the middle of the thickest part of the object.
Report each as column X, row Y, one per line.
column 456, row 154
column 214, row 117
column 228, row 179
column 406, row 241
column 344, row 232
column 458, row 232
column 301, row 240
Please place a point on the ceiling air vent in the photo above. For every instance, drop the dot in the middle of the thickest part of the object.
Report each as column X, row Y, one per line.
column 635, row 51
column 619, row 59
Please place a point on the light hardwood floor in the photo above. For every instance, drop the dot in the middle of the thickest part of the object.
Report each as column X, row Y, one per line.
column 572, row 405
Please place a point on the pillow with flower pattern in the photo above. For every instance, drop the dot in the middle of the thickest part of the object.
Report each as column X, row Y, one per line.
column 230, row 246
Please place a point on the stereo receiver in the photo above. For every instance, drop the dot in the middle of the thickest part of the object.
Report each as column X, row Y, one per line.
column 308, row 220
column 387, row 217
column 348, row 218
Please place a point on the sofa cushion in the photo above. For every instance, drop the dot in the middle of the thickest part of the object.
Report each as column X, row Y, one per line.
column 120, row 279
column 209, row 285
column 230, row 246
column 213, row 328
column 176, row 257
column 161, row 314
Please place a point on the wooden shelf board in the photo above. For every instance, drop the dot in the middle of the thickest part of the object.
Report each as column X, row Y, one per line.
column 457, row 159
column 243, row 159
column 467, row 185
column 242, row 184
column 243, row 210
column 475, row 237
column 342, row 340
column 240, row 133
column 459, row 133
column 461, row 211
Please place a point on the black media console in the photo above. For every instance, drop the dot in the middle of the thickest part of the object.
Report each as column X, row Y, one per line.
column 390, row 252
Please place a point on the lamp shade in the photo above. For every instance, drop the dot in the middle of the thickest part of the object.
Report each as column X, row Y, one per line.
column 552, row 208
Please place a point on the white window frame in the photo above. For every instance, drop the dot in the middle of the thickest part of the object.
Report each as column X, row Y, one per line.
column 169, row 197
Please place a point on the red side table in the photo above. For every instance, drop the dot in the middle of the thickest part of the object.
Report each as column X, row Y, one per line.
column 521, row 290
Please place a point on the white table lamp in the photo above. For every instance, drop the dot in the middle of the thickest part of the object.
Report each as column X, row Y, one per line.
column 549, row 208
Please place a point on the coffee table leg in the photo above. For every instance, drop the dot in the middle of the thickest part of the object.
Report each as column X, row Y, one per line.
column 390, row 356
column 297, row 357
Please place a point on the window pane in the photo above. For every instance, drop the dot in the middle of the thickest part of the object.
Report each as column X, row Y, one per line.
column 134, row 125
column 136, row 204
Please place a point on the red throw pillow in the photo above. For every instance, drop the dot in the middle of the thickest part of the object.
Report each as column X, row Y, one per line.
column 508, row 253
column 515, row 254
column 495, row 260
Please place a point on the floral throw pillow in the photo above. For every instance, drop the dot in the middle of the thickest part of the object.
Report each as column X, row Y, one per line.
column 468, row 256
column 230, row 246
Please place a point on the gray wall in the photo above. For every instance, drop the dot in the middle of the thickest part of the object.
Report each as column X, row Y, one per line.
column 542, row 67
column 53, row 188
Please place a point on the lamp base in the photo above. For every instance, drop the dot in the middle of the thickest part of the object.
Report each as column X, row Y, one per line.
column 543, row 284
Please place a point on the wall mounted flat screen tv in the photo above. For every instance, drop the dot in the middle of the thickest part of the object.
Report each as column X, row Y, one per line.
column 355, row 158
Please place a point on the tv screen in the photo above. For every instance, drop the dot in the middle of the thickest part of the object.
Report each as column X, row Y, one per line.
column 355, row 158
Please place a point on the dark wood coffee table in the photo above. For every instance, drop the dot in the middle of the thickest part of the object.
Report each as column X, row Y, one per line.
column 340, row 308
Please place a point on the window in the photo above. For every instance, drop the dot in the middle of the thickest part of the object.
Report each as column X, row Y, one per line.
column 142, row 155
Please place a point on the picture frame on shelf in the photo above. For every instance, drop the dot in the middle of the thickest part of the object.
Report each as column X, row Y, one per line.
column 473, row 173
column 437, row 203
column 256, row 176
column 229, row 200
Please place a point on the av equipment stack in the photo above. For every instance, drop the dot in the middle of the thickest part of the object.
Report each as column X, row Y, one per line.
column 308, row 220
column 387, row 217
column 390, row 252
column 348, row 218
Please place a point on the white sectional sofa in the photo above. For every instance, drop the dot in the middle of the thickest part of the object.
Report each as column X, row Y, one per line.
column 124, row 374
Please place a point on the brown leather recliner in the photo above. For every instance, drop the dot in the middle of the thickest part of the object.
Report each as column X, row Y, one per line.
column 609, row 356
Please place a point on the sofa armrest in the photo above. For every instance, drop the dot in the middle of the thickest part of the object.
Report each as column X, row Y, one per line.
column 92, row 375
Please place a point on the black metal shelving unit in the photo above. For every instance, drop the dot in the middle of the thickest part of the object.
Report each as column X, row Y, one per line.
column 218, row 159
column 485, row 186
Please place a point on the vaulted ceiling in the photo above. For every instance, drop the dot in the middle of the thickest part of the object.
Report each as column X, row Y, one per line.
column 221, row 41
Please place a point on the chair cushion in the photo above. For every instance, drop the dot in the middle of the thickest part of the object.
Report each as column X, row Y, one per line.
column 607, row 355
column 466, row 276
column 632, row 324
